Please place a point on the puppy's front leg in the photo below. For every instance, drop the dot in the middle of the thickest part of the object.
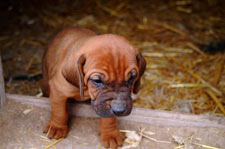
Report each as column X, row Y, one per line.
column 110, row 135
column 57, row 127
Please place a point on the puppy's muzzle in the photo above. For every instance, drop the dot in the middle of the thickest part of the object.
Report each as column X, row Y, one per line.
column 118, row 107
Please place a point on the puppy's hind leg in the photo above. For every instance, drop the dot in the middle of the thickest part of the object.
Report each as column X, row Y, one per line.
column 45, row 81
column 45, row 87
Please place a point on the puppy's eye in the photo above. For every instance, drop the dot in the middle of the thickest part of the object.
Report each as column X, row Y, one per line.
column 97, row 81
column 133, row 75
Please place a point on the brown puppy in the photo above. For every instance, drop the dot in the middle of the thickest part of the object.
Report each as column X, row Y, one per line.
column 80, row 64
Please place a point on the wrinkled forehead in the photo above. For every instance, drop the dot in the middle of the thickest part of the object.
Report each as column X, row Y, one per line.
column 113, row 60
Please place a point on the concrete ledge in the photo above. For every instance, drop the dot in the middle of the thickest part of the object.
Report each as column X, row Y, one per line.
column 2, row 85
column 153, row 117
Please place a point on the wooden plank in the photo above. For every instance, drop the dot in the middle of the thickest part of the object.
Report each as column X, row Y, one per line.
column 2, row 85
column 153, row 117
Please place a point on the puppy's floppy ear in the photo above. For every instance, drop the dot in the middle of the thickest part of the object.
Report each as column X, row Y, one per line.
column 69, row 73
column 142, row 66
column 80, row 64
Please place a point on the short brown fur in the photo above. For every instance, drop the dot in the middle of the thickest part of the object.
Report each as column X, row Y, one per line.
column 73, row 59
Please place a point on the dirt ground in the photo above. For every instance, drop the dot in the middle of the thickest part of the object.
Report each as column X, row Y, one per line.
column 19, row 130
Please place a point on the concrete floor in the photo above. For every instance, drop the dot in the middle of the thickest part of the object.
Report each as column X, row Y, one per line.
column 19, row 130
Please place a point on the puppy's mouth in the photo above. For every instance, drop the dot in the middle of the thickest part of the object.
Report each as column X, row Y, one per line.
column 112, row 108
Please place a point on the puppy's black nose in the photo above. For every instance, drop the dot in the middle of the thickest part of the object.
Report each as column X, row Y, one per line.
column 118, row 107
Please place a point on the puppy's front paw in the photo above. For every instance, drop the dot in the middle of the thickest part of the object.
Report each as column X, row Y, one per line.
column 112, row 138
column 54, row 131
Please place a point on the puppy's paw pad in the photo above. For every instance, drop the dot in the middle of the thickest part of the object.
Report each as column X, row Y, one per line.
column 55, row 132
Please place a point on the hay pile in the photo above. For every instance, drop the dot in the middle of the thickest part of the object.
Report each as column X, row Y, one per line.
column 172, row 36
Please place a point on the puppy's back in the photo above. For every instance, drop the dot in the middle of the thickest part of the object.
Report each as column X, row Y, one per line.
column 57, row 51
column 61, row 43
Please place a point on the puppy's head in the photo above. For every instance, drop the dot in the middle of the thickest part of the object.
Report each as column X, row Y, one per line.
column 111, row 70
